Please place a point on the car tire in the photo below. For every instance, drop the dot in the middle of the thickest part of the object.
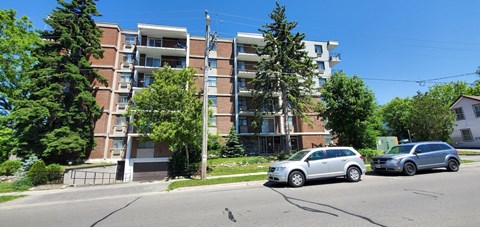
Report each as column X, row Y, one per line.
column 409, row 169
column 354, row 174
column 453, row 165
column 296, row 179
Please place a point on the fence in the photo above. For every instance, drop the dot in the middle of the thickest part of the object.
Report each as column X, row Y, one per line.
column 77, row 177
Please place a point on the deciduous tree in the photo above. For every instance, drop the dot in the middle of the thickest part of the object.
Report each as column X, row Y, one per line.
column 349, row 105
column 168, row 111
column 396, row 116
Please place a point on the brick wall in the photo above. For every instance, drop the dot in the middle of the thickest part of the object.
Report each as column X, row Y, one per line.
column 307, row 141
column 224, row 123
column 97, row 152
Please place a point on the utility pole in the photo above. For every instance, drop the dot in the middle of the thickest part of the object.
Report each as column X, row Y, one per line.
column 205, row 98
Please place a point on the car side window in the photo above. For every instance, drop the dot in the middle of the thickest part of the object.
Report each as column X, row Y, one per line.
column 334, row 153
column 348, row 152
column 434, row 147
column 444, row 146
column 317, row 155
column 422, row 149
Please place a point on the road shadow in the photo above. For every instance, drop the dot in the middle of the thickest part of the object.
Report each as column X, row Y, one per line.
column 399, row 174
column 315, row 182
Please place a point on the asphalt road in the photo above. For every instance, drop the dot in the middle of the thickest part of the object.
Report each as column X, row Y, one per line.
column 434, row 198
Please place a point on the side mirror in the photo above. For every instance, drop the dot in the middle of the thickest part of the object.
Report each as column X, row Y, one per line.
column 307, row 159
column 417, row 152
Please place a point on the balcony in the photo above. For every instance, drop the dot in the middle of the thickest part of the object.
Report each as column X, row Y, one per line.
column 331, row 45
column 246, row 73
column 149, row 64
column 334, row 59
column 165, row 46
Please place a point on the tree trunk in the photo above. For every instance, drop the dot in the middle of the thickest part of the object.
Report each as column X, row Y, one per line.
column 187, row 157
column 286, row 126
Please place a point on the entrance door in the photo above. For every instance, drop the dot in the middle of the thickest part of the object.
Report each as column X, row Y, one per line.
column 266, row 145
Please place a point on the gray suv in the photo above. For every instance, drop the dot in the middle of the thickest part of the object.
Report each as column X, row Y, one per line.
column 410, row 157
column 315, row 163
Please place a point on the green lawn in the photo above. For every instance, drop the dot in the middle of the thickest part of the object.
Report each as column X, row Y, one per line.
column 467, row 161
column 468, row 152
column 4, row 199
column 240, row 165
column 6, row 187
column 192, row 183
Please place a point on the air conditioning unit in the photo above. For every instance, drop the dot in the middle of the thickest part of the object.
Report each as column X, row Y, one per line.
column 121, row 107
column 117, row 153
column 124, row 85
column 126, row 65
column 291, row 128
column 120, row 129
column 242, row 108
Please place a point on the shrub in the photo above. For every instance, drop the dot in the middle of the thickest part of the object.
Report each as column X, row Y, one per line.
column 27, row 164
column 9, row 167
column 368, row 153
column 38, row 173
column 54, row 172
column 283, row 156
column 22, row 184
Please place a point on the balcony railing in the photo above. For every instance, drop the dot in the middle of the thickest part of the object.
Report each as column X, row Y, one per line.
column 335, row 56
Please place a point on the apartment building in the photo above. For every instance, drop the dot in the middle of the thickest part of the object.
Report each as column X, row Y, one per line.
column 130, row 58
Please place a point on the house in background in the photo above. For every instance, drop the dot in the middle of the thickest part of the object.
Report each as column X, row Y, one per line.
column 466, row 133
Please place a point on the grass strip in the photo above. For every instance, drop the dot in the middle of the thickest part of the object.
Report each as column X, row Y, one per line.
column 229, row 170
column 6, row 187
column 466, row 161
column 6, row 198
column 193, row 183
column 467, row 152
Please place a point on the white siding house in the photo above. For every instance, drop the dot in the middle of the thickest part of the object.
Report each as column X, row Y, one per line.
column 467, row 126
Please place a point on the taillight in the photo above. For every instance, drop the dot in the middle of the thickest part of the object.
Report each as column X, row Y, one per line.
column 456, row 151
column 361, row 157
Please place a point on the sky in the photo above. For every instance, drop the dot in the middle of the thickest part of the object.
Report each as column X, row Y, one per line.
column 396, row 47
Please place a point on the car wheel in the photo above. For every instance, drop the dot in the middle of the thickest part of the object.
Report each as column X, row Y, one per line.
column 409, row 169
column 353, row 174
column 453, row 165
column 296, row 179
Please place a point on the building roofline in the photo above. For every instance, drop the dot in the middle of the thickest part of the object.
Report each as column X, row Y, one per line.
column 473, row 97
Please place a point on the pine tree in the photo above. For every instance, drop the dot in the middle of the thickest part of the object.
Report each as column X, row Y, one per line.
column 57, row 118
column 287, row 70
column 232, row 148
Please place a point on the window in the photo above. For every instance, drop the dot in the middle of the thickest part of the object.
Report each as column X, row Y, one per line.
column 122, row 99
column 242, row 104
column 153, row 62
column 212, row 63
column 212, row 81
column 127, row 58
column 466, row 135
column 267, row 125
column 476, row 110
column 130, row 39
column 459, row 114
column 145, row 145
column 154, row 42
column 242, row 121
column 318, row 50
column 321, row 81
column 290, row 120
column 212, row 121
column 241, row 48
column 120, row 120
column 348, row 152
column 334, row 153
column 320, row 65
column 317, row 155
column 147, row 80
column 212, row 100
column 241, row 65
column 422, row 149
column 242, row 84
column 125, row 77
column 117, row 143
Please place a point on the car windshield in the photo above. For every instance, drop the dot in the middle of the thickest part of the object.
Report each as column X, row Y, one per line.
column 299, row 155
column 400, row 149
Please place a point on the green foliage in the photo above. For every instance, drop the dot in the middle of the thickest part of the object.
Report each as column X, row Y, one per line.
column 38, row 173
column 7, row 141
column 283, row 156
column 288, row 70
column 55, row 119
column 396, row 115
column 9, row 167
column 28, row 163
column 17, row 40
column 430, row 119
column 54, row 172
column 22, row 184
column 368, row 153
column 448, row 93
column 4, row 199
column 192, row 183
column 214, row 146
column 232, row 148
column 348, row 109
column 169, row 111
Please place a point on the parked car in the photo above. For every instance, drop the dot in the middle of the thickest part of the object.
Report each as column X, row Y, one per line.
column 316, row 163
column 410, row 157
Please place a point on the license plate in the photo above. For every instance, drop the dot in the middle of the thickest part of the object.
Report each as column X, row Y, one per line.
column 378, row 166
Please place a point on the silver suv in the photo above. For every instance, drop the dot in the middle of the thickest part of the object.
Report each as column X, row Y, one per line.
column 410, row 157
column 315, row 163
